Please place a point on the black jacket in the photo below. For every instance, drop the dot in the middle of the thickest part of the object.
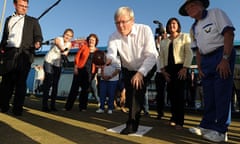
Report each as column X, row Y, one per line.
column 31, row 33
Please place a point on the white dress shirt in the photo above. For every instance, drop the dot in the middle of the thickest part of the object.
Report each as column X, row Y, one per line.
column 137, row 50
column 15, row 27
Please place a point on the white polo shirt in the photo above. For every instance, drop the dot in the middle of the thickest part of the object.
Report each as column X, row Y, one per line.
column 208, row 32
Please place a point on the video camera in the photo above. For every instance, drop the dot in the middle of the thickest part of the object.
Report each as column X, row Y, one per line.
column 159, row 30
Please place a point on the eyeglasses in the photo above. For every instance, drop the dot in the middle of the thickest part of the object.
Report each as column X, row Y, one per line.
column 23, row 6
column 122, row 22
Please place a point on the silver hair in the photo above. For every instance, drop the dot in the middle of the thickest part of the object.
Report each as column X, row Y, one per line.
column 122, row 11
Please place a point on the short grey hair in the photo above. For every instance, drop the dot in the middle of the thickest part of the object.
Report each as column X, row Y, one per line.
column 123, row 10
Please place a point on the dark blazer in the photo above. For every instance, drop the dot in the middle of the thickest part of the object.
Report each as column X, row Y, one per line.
column 31, row 33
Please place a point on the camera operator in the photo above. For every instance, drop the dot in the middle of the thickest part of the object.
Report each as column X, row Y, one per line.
column 53, row 63
column 159, row 33
column 160, row 82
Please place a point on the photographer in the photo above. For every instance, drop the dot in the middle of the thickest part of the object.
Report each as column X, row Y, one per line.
column 160, row 82
column 160, row 33
column 52, row 68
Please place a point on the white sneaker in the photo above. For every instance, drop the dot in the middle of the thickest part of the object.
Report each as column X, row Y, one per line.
column 110, row 111
column 98, row 104
column 215, row 136
column 100, row 111
column 198, row 130
column 226, row 137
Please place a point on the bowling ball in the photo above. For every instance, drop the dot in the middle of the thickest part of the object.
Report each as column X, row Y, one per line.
column 99, row 57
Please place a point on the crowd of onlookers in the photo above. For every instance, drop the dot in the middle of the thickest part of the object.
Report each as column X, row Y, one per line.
column 193, row 91
column 134, row 54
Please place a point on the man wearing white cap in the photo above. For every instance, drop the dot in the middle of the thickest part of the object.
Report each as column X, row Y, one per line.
column 213, row 35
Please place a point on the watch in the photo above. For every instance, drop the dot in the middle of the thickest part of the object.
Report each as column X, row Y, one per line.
column 226, row 56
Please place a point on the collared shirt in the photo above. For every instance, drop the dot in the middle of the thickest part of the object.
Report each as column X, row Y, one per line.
column 15, row 27
column 137, row 50
column 208, row 32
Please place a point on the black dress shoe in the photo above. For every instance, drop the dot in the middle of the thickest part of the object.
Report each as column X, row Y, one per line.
column 17, row 112
column 159, row 117
column 66, row 109
column 4, row 110
column 131, row 127
column 146, row 113
column 82, row 110
column 127, row 130
column 45, row 109
column 54, row 109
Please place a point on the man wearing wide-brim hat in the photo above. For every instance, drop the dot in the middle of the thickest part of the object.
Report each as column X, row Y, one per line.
column 182, row 10
column 213, row 35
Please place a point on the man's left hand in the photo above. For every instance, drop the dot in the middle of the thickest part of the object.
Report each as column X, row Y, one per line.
column 224, row 69
column 37, row 45
column 137, row 80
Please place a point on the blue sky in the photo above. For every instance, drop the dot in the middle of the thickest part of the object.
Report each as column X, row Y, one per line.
column 96, row 16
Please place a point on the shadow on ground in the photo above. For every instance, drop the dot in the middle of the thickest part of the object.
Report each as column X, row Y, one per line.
column 74, row 127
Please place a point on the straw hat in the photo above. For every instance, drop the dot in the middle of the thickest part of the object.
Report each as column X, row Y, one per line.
column 182, row 10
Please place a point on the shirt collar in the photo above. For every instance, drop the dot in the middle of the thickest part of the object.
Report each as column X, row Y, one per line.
column 204, row 15
column 133, row 31
column 15, row 15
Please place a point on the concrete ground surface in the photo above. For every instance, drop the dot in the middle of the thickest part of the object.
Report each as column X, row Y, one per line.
column 88, row 127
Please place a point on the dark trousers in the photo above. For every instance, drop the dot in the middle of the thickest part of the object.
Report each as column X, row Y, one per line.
column 14, row 82
column 175, row 91
column 79, row 80
column 134, row 97
column 160, row 83
column 217, row 92
column 52, row 76
column 107, row 88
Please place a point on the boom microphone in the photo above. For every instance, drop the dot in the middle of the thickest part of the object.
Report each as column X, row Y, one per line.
column 48, row 42
column 156, row 22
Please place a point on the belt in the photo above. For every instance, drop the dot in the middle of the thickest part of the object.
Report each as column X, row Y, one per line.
column 9, row 48
column 213, row 52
